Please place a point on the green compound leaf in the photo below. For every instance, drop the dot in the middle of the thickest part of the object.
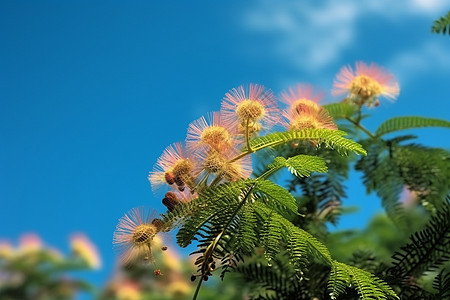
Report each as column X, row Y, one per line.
column 340, row 110
column 301, row 245
column 442, row 25
column 401, row 123
column 331, row 138
column 277, row 193
column 299, row 165
column 366, row 284
column 304, row 165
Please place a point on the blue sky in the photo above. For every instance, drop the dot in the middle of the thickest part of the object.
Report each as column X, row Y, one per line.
column 91, row 92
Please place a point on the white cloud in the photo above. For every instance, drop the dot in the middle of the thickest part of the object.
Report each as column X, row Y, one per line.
column 430, row 6
column 430, row 57
column 311, row 37
column 308, row 36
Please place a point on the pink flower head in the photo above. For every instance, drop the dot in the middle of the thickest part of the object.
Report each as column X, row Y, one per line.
column 255, row 106
column 365, row 84
column 30, row 242
column 301, row 97
column 134, row 235
column 309, row 118
column 221, row 163
column 303, row 111
column 212, row 134
column 173, row 198
column 85, row 249
column 173, row 166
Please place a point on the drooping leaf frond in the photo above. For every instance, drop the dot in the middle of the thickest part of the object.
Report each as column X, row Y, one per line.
column 367, row 285
column 215, row 236
column 389, row 167
column 442, row 285
column 212, row 204
column 442, row 25
column 330, row 138
column 304, row 165
column 270, row 279
column 276, row 193
column 401, row 123
column 277, row 281
column 427, row 250
column 341, row 110
column 244, row 240
column 321, row 193
column 300, row 243
column 339, row 281
column 425, row 171
column 382, row 176
column 272, row 233
column 299, row 165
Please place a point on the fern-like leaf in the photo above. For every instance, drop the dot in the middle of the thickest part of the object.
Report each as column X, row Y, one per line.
column 276, row 193
column 401, row 123
column 304, row 165
column 442, row 25
column 339, row 280
column 427, row 250
column 367, row 285
column 442, row 285
column 330, row 138
column 301, row 244
column 213, row 204
column 341, row 110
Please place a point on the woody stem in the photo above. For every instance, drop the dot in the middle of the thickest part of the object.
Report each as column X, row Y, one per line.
column 361, row 127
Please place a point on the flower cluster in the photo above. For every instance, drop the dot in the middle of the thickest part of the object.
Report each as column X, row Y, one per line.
column 365, row 84
column 217, row 148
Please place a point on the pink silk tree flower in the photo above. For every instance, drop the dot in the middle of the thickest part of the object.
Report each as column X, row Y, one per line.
column 365, row 84
column 174, row 167
column 254, row 106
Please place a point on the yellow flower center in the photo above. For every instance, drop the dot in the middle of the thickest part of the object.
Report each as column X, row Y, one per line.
column 365, row 86
column 182, row 168
column 143, row 234
column 302, row 105
column 216, row 136
column 250, row 110
column 214, row 162
column 304, row 122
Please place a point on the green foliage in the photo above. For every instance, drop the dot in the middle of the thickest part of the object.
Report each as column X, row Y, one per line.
column 341, row 110
column 442, row 285
column 276, row 281
column 321, row 193
column 230, row 221
column 427, row 250
column 279, row 195
column 330, row 138
column 279, row 280
column 367, row 285
column 300, row 165
column 442, row 25
column 389, row 166
column 299, row 242
column 401, row 123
